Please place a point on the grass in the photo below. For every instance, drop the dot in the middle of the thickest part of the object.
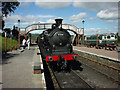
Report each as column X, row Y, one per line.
column 2, row 42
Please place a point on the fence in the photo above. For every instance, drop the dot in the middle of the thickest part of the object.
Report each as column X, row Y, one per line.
column 8, row 44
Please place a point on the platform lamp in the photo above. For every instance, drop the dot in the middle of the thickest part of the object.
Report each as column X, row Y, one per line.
column 97, row 38
column 19, row 33
column 83, row 30
column 11, row 40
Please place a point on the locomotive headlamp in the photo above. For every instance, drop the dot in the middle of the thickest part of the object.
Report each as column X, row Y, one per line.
column 50, row 58
column 75, row 57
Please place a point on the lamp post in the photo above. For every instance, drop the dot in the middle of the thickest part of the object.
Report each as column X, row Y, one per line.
column 78, row 37
column 19, row 33
column 5, row 42
column 83, row 30
column 97, row 38
column 11, row 41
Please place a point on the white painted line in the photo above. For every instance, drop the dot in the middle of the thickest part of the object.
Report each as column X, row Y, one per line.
column 114, row 59
column 41, row 66
column 43, row 76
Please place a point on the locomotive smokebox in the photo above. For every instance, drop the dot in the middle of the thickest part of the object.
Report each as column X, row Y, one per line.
column 59, row 22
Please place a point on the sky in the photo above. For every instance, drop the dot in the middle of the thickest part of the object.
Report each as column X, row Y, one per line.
column 100, row 17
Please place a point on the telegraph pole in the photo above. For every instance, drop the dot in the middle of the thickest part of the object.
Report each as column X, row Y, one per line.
column 78, row 37
column 19, row 33
column 5, row 41
column 83, row 30
column 11, row 41
column 97, row 40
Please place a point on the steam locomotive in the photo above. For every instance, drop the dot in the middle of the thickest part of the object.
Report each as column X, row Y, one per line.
column 55, row 46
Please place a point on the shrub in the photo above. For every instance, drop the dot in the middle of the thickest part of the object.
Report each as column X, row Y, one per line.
column 2, row 42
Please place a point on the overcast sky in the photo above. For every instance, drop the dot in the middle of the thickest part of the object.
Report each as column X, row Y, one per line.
column 101, row 17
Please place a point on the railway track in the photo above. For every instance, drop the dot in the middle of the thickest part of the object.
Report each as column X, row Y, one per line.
column 90, row 86
column 75, row 80
column 68, row 80
column 71, row 80
column 101, row 64
column 55, row 81
column 110, row 72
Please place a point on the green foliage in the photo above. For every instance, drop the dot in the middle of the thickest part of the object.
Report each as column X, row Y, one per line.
column 118, row 38
column 8, row 30
column 34, row 36
column 8, row 7
column 2, row 40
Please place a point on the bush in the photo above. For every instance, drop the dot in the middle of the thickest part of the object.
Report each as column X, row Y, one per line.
column 2, row 40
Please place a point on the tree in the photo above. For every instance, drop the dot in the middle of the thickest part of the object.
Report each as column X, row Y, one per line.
column 118, row 37
column 7, row 8
column 8, row 30
column 2, row 23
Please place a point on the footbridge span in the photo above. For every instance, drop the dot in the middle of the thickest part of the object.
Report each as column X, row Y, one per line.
column 78, row 32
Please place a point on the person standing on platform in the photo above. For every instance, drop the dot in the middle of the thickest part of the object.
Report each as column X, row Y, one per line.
column 28, row 42
column 24, row 43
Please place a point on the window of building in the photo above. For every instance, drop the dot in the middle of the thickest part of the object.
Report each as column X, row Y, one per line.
column 108, row 37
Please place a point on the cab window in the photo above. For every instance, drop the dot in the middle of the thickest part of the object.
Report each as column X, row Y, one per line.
column 112, row 35
column 108, row 37
column 105, row 37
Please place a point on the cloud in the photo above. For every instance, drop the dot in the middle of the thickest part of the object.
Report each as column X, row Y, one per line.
column 53, row 1
column 51, row 4
column 25, row 4
column 50, row 21
column 67, row 0
column 108, row 14
column 75, row 19
column 94, row 6
column 85, row 4
column 96, row 0
column 109, row 21
column 26, row 0
column 25, row 20
column 94, row 31
column 10, row 20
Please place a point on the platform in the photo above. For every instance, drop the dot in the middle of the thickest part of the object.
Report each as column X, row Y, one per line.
column 114, row 55
column 18, row 69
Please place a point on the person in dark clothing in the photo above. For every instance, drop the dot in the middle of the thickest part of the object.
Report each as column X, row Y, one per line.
column 15, row 33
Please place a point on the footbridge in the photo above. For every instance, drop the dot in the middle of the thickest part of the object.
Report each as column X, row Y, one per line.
column 78, row 32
